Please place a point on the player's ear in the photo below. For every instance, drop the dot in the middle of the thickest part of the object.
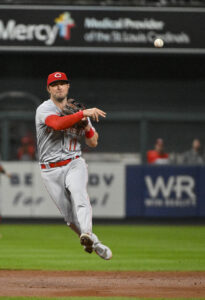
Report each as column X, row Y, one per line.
column 48, row 89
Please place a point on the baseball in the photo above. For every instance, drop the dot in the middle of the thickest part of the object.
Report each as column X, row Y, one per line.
column 158, row 43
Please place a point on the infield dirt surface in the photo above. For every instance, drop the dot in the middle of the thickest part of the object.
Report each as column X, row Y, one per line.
column 100, row 283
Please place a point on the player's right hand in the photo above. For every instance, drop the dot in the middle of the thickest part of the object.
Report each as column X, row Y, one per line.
column 94, row 113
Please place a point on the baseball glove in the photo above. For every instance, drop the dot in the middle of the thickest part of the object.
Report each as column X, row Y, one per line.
column 71, row 108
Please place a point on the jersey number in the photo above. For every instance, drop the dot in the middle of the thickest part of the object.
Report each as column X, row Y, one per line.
column 72, row 144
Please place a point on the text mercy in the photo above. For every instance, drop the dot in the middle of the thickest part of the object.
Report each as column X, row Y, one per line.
column 21, row 32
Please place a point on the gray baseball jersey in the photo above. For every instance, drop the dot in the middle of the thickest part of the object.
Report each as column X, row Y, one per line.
column 55, row 145
column 66, row 185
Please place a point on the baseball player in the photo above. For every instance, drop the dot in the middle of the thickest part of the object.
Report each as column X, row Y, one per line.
column 63, row 170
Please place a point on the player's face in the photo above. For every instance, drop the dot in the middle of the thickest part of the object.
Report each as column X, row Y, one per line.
column 58, row 90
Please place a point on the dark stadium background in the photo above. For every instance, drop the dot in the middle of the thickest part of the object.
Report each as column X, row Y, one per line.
column 119, row 82
column 160, row 82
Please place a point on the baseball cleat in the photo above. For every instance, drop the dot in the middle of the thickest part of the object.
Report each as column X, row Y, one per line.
column 103, row 251
column 86, row 240
column 88, row 249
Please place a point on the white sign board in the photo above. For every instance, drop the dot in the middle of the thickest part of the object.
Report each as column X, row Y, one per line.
column 24, row 195
column 106, row 188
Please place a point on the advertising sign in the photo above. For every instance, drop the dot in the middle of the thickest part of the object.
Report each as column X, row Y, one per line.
column 170, row 191
column 101, row 29
column 106, row 189
column 167, row 191
column 24, row 195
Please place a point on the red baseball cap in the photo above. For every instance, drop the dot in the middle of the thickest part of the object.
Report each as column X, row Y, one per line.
column 56, row 76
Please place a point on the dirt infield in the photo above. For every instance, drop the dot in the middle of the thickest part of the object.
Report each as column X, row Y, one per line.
column 90, row 283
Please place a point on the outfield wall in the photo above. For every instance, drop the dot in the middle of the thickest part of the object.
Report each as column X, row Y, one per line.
column 24, row 195
column 116, row 190
column 165, row 191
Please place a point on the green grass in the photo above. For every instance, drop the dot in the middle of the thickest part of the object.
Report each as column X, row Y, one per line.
column 56, row 247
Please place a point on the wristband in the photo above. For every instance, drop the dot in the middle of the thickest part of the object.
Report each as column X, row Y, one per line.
column 89, row 134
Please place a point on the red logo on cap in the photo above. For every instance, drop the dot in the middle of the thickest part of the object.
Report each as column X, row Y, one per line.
column 58, row 75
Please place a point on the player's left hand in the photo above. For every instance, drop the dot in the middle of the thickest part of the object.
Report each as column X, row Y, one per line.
column 72, row 107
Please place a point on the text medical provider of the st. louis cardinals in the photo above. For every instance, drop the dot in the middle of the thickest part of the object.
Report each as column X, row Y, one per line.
column 63, row 170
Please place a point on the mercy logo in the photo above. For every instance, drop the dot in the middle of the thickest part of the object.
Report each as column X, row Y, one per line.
column 175, row 191
column 42, row 33
column 65, row 23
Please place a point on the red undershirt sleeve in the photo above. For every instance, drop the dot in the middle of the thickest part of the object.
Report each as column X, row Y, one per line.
column 64, row 122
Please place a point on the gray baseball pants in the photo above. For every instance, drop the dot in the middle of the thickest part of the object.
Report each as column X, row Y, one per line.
column 67, row 187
